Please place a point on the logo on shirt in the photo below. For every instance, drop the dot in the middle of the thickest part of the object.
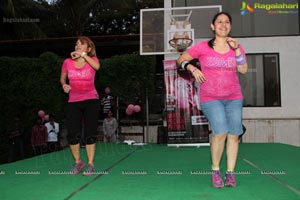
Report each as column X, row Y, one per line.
column 220, row 64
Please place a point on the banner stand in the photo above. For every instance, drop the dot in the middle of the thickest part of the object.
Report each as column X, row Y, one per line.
column 186, row 124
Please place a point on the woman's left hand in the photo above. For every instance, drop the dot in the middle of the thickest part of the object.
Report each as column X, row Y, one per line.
column 232, row 42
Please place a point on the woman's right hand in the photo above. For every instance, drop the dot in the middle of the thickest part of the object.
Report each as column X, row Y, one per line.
column 199, row 76
column 75, row 55
column 66, row 88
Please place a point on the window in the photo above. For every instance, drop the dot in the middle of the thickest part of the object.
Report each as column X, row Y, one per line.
column 261, row 85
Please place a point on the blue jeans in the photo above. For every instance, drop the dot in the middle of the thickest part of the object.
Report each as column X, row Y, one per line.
column 224, row 116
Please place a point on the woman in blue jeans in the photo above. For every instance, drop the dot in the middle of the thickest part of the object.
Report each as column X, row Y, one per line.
column 221, row 96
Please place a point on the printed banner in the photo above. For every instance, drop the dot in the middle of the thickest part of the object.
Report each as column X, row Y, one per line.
column 185, row 122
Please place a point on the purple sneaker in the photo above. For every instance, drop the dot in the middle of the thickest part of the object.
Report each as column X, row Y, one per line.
column 90, row 170
column 76, row 168
column 230, row 179
column 217, row 179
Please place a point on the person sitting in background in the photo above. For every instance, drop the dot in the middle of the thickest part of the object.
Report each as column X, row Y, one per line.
column 110, row 125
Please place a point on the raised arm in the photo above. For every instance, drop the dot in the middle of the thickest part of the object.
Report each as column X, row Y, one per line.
column 243, row 66
column 95, row 64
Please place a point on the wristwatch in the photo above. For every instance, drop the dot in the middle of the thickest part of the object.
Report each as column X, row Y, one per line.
column 83, row 54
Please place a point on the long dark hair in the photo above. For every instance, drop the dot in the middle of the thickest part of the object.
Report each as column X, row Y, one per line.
column 212, row 41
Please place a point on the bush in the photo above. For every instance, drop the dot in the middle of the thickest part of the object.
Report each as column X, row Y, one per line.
column 27, row 85
column 30, row 84
column 129, row 76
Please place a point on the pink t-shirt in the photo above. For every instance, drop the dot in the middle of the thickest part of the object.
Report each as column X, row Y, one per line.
column 81, row 81
column 220, row 71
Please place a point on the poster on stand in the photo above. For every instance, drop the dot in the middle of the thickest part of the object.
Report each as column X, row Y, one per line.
column 185, row 121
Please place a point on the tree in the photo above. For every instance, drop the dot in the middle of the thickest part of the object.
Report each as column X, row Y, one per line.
column 73, row 15
column 21, row 19
column 117, row 16
column 63, row 18
column 30, row 84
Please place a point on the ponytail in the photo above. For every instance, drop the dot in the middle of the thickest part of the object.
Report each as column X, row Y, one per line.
column 211, row 42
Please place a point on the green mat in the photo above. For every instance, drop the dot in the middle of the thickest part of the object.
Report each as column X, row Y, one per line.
column 265, row 171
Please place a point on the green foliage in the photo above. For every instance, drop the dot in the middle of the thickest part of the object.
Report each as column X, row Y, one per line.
column 74, row 14
column 27, row 85
column 23, row 19
column 30, row 84
column 117, row 16
column 130, row 76
column 63, row 18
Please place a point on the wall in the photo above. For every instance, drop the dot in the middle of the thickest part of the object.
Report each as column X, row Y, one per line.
column 272, row 130
column 279, row 124
column 152, row 133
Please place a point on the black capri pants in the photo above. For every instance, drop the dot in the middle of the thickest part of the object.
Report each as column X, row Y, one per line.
column 83, row 113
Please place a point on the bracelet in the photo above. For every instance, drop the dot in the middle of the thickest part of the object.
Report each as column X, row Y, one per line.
column 184, row 64
column 83, row 54
column 240, row 59
column 238, row 46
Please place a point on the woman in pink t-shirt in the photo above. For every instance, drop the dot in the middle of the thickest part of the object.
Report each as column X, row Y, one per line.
column 83, row 103
column 221, row 96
